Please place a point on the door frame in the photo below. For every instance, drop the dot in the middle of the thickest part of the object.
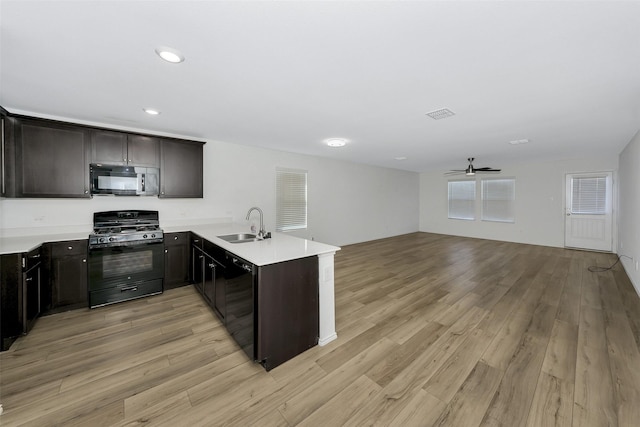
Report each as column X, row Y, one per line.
column 614, row 208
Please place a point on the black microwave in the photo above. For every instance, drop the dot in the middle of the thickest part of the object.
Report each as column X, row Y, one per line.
column 124, row 180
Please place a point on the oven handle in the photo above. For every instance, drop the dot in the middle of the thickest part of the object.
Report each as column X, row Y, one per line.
column 129, row 288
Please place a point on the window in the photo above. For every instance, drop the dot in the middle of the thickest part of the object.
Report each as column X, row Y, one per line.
column 498, row 200
column 589, row 195
column 462, row 199
column 291, row 199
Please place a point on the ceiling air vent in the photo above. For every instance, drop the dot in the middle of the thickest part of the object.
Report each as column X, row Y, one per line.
column 442, row 113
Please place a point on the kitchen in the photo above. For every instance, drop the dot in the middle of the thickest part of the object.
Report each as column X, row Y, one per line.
column 348, row 203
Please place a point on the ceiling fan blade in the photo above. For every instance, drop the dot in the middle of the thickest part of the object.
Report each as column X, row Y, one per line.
column 484, row 169
column 454, row 173
column 488, row 171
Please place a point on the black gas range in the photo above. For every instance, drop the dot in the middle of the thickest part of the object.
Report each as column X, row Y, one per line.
column 126, row 256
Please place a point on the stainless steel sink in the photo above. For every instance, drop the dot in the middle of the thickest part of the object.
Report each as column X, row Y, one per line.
column 239, row 238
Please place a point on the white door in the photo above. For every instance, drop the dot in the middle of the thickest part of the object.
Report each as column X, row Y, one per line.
column 589, row 212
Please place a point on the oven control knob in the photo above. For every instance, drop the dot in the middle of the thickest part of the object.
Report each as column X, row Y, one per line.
column 101, row 240
column 111, row 239
column 153, row 236
column 144, row 236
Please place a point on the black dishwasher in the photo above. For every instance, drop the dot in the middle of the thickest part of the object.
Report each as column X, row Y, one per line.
column 240, row 277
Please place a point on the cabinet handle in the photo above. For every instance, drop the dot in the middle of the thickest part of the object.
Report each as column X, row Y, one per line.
column 70, row 247
column 133, row 289
column 166, row 251
column 28, row 279
column 36, row 256
column 84, row 260
column 175, row 237
column 86, row 191
column 212, row 265
column 196, row 241
column 201, row 256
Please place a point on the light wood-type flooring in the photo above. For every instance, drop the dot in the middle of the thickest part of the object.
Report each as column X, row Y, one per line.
column 432, row 330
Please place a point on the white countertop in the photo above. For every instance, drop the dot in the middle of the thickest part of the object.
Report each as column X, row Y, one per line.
column 279, row 248
column 20, row 244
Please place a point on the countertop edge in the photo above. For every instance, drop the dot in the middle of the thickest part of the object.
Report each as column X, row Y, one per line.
column 280, row 248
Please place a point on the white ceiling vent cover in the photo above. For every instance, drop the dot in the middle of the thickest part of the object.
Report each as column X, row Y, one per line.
column 442, row 113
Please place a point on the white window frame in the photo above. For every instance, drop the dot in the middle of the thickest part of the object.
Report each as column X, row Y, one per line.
column 498, row 204
column 456, row 209
column 291, row 199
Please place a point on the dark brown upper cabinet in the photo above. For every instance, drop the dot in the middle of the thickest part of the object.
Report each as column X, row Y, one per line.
column 180, row 169
column 51, row 160
column 48, row 158
column 118, row 148
column 7, row 166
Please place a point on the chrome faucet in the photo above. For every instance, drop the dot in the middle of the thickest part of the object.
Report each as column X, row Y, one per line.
column 262, row 234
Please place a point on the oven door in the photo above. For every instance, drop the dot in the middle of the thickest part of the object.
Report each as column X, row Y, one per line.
column 123, row 265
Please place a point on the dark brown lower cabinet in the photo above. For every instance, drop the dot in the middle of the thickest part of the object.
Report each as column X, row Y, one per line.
column 11, row 326
column 287, row 317
column 176, row 260
column 68, row 274
column 207, row 274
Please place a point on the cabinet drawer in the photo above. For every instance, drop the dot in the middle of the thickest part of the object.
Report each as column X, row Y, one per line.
column 71, row 247
column 174, row 239
column 125, row 292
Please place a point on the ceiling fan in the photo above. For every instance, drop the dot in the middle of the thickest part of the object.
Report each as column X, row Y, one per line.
column 470, row 170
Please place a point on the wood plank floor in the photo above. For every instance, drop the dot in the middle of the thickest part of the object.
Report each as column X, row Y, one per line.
column 433, row 330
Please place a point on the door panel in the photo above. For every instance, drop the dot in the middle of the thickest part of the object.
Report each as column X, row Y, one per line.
column 589, row 213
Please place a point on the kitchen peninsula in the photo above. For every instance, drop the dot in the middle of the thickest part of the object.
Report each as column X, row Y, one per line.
column 277, row 263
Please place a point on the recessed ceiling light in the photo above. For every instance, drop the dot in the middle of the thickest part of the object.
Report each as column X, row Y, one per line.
column 336, row 142
column 400, row 158
column 151, row 111
column 518, row 141
column 169, row 54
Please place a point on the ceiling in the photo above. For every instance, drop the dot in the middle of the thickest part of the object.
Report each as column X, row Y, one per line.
column 289, row 75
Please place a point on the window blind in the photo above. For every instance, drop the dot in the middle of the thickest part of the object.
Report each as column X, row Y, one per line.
column 589, row 195
column 462, row 200
column 291, row 199
column 498, row 199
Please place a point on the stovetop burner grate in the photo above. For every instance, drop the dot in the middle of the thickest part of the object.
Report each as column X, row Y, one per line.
column 120, row 228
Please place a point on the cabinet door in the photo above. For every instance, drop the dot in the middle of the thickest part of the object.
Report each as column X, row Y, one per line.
column 288, row 311
column 143, row 151
column 10, row 299
column 31, row 297
column 180, row 169
column 197, row 267
column 52, row 160
column 209, row 281
column 176, row 261
column 69, row 274
column 220, row 295
column 7, row 156
column 109, row 148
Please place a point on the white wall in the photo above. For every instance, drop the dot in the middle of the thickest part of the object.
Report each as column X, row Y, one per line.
column 348, row 203
column 539, row 210
column 629, row 210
